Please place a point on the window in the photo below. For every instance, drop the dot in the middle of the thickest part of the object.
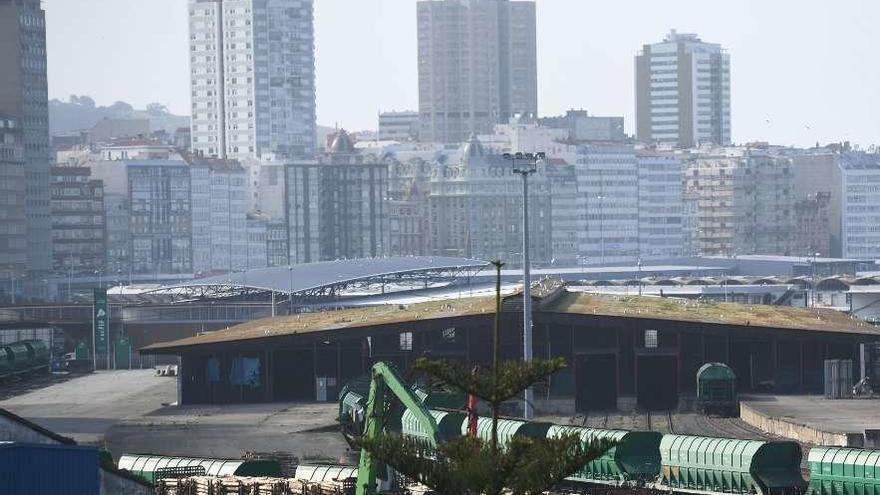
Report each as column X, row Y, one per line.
column 406, row 341
column 650, row 339
column 449, row 334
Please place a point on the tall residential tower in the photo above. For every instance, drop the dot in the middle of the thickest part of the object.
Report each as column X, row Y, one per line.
column 24, row 103
column 252, row 72
column 683, row 92
column 477, row 66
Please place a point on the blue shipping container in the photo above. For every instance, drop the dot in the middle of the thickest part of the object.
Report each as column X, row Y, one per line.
column 48, row 469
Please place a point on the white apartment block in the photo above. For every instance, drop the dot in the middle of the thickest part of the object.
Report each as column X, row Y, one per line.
column 563, row 212
column 399, row 126
column 860, row 205
column 661, row 208
column 219, row 216
column 683, row 92
column 608, row 202
column 252, row 71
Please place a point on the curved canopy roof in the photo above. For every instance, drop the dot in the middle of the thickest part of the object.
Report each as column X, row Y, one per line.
column 326, row 275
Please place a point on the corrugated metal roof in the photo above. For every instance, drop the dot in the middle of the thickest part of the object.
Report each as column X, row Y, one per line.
column 310, row 276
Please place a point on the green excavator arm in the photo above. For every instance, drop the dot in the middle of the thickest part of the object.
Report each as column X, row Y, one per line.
column 384, row 381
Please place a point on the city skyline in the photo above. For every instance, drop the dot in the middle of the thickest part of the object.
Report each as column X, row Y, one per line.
column 786, row 81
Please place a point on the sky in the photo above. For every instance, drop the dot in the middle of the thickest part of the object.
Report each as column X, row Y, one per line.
column 802, row 71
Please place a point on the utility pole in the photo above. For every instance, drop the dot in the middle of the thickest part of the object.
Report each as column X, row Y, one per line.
column 526, row 164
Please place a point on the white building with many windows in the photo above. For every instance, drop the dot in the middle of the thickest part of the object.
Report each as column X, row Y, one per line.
column 252, row 72
column 219, row 216
column 608, row 203
column 661, row 207
column 860, row 205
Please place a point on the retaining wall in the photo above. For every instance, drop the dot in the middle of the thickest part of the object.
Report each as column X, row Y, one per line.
column 796, row 431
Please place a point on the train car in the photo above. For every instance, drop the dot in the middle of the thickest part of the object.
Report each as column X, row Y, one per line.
column 843, row 471
column 448, row 425
column 6, row 358
column 507, row 429
column 353, row 400
column 151, row 467
column 20, row 356
column 38, row 354
column 716, row 390
column 707, row 465
column 634, row 461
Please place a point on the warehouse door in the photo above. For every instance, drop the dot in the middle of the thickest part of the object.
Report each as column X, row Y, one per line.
column 596, row 382
column 293, row 374
column 657, row 382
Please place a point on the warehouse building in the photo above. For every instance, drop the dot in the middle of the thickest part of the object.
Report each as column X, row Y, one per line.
column 622, row 351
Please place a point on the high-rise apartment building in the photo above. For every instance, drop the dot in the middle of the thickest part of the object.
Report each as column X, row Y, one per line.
column 78, row 222
column 24, row 98
column 608, row 199
column 252, row 72
column 219, row 215
column 851, row 182
column 13, row 227
column 744, row 202
column 477, row 66
column 683, row 92
column 661, row 207
column 337, row 206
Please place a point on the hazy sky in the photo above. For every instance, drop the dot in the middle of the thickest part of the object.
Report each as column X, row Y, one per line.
column 801, row 70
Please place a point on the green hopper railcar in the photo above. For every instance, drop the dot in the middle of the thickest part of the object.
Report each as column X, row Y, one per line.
column 150, row 467
column 634, row 461
column 716, row 389
column 724, row 465
column 843, row 471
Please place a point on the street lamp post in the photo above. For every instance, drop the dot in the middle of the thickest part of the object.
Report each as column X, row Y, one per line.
column 639, row 264
column 290, row 289
column 526, row 164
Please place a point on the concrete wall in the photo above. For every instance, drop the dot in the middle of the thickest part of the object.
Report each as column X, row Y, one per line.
column 114, row 484
column 797, row 431
column 13, row 431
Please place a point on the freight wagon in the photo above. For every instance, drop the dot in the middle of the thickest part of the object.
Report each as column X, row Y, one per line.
column 152, row 468
column 24, row 356
column 716, row 389
column 684, row 463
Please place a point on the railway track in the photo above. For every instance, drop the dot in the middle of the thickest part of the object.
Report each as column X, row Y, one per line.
column 660, row 421
column 24, row 383
column 599, row 420
column 731, row 428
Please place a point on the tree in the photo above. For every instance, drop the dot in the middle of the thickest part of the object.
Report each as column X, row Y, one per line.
column 156, row 109
column 472, row 466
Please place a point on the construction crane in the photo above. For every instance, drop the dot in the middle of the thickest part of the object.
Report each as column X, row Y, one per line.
column 386, row 383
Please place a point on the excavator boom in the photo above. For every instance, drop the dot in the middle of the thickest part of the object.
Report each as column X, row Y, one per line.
column 385, row 382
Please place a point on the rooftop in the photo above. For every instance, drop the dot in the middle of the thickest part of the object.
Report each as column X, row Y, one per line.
column 326, row 274
column 757, row 315
column 335, row 320
column 780, row 317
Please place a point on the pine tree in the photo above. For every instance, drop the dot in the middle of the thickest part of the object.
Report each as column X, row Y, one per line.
column 473, row 466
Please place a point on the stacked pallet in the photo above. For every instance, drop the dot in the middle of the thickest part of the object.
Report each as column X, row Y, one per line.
column 245, row 485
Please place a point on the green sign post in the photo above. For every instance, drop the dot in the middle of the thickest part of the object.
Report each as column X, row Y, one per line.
column 122, row 354
column 100, row 322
